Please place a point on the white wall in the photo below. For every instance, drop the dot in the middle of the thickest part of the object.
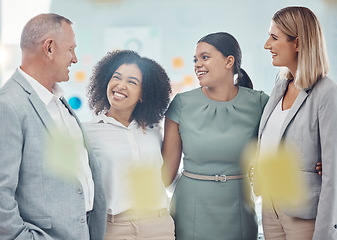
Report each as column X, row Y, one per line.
column 180, row 24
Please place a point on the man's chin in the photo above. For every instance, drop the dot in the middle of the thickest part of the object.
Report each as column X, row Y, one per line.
column 64, row 80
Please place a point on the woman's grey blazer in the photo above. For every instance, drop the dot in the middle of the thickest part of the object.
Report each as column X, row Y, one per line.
column 34, row 202
column 311, row 126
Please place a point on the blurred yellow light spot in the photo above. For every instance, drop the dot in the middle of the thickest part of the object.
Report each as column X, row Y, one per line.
column 80, row 76
column 145, row 187
column 62, row 155
column 188, row 80
column 279, row 177
column 178, row 62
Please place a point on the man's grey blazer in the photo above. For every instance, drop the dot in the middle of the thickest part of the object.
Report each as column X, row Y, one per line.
column 34, row 202
column 311, row 126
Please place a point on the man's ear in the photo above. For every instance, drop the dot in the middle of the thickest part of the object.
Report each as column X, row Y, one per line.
column 48, row 47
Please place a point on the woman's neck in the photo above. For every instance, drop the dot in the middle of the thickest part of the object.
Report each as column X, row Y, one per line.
column 290, row 95
column 122, row 117
column 293, row 69
column 221, row 93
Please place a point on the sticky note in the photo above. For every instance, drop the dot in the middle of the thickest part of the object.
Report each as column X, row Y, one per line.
column 80, row 76
column 188, row 80
column 177, row 62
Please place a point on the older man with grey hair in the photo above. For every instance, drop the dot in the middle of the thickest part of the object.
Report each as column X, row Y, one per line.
column 35, row 201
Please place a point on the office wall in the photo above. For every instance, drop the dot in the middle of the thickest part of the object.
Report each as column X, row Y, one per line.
column 173, row 27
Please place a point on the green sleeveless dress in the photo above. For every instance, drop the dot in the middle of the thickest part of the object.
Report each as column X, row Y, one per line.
column 214, row 135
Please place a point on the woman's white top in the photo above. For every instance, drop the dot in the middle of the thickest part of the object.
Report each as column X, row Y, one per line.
column 120, row 150
column 270, row 138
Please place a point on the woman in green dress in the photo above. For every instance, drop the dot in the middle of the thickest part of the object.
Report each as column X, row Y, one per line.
column 211, row 126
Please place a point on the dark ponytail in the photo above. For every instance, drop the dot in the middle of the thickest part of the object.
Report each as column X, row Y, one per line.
column 243, row 79
column 228, row 45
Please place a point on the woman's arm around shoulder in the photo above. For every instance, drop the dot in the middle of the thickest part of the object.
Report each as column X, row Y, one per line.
column 171, row 151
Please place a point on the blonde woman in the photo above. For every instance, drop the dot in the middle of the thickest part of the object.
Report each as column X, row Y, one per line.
column 302, row 111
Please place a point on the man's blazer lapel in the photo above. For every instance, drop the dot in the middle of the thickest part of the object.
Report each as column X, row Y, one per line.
column 36, row 102
column 72, row 112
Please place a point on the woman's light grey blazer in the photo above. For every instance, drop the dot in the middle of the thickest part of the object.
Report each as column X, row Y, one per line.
column 34, row 202
column 311, row 126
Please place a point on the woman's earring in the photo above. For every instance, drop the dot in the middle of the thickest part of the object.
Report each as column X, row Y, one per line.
column 140, row 100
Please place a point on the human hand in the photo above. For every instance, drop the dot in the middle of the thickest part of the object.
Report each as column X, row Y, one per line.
column 319, row 168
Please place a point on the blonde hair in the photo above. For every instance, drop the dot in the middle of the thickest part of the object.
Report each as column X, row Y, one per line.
column 313, row 62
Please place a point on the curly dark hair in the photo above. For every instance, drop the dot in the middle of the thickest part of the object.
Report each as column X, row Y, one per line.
column 156, row 88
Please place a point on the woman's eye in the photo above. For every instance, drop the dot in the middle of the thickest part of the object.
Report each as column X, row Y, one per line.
column 205, row 57
column 116, row 77
column 132, row 82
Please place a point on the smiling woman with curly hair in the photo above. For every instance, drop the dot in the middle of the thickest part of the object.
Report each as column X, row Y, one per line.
column 129, row 95
column 155, row 86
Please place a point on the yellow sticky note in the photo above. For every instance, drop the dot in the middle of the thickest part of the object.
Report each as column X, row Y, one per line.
column 177, row 62
column 80, row 76
column 188, row 80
